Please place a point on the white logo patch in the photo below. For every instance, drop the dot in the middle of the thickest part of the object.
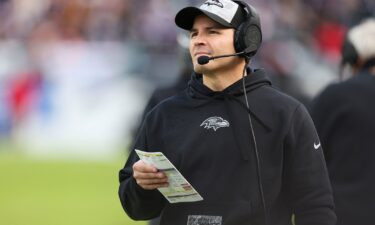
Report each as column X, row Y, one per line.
column 316, row 146
column 214, row 2
column 225, row 9
column 215, row 123
column 204, row 220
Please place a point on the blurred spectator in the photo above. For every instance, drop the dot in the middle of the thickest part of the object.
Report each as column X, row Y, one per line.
column 5, row 115
column 152, row 15
column 23, row 94
column 343, row 114
column 111, row 20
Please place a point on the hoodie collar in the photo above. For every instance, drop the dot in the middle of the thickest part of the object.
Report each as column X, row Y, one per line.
column 254, row 80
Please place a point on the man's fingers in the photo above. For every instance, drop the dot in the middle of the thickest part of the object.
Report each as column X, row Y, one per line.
column 150, row 184
column 141, row 175
column 141, row 166
column 148, row 176
column 145, row 182
column 153, row 186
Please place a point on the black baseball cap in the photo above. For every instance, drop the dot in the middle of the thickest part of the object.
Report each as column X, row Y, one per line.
column 225, row 12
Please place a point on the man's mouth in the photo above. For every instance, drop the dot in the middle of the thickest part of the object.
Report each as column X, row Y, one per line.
column 197, row 54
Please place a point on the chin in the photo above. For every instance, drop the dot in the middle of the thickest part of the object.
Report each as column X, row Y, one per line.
column 200, row 69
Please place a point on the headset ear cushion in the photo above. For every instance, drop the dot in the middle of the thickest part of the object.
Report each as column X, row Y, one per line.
column 239, row 43
column 248, row 35
column 248, row 38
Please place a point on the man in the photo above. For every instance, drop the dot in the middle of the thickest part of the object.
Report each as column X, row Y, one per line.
column 250, row 151
column 344, row 117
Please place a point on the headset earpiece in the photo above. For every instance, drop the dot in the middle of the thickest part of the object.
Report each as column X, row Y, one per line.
column 248, row 35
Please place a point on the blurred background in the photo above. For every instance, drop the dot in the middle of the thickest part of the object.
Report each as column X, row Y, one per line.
column 75, row 76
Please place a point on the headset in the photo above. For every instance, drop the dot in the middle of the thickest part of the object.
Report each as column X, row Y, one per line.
column 248, row 35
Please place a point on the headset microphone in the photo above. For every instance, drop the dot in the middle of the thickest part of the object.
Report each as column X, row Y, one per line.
column 202, row 60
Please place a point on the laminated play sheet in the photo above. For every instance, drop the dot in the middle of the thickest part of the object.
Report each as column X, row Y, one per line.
column 179, row 189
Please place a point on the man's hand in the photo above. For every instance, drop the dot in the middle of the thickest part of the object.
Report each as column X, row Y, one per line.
column 148, row 177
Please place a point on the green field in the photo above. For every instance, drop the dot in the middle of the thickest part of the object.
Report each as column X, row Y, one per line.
column 57, row 192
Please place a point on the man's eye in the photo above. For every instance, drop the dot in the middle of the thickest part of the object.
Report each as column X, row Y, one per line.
column 214, row 32
column 193, row 34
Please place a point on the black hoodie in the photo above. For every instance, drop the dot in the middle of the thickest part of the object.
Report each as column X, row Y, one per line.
column 207, row 136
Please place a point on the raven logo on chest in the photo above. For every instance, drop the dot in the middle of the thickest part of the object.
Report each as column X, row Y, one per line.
column 215, row 123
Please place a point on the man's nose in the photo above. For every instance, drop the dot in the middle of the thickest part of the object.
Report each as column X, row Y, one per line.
column 199, row 40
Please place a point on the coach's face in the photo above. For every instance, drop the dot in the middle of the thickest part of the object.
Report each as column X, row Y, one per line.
column 209, row 38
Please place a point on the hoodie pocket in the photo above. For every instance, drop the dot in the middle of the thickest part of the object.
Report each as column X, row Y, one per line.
column 201, row 213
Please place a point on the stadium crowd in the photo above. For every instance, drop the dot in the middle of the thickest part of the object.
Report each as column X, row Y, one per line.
column 71, row 49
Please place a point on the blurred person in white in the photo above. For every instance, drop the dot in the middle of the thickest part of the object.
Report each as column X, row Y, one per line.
column 247, row 148
column 344, row 117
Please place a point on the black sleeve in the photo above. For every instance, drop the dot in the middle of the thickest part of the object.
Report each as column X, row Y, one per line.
column 327, row 111
column 138, row 203
column 309, row 188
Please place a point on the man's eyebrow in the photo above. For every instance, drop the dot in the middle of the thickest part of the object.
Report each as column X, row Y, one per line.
column 192, row 30
column 215, row 27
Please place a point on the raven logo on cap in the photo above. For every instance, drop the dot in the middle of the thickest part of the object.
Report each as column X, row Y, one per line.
column 214, row 2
